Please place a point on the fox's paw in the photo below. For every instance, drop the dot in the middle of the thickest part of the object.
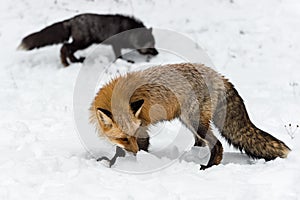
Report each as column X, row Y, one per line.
column 203, row 167
column 130, row 61
column 81, row 59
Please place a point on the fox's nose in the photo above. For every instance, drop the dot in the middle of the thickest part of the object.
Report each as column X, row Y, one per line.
column 132, row 151
column 154, row 51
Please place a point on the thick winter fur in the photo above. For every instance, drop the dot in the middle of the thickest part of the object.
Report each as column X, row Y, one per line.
column 87, row 29
column 197, row 95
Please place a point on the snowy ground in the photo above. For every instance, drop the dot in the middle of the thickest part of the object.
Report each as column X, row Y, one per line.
column 256, row 44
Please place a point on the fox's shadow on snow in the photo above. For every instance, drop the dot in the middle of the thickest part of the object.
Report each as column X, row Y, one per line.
column 101, row 53
column 236, row 158
column 201, row 156
column 228, row 157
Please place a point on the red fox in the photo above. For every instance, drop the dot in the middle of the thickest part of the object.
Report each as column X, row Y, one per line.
column 196, row 95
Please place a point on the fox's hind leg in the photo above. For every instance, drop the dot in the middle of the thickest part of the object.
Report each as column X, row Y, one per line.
column 68, row 50
column 64, row 55
column 75, row 46
column 204, row 137
column 205, row 133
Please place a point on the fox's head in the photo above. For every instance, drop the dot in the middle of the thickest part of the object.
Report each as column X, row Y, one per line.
column 115, row 132
column 144, row 42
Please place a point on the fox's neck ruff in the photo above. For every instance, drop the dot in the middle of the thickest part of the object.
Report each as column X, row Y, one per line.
column 122, row 92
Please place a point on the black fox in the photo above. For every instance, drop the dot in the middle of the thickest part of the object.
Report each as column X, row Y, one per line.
column 88, row 29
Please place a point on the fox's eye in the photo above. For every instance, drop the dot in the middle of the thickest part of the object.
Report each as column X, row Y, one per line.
column 124, row 139
column 108, row 126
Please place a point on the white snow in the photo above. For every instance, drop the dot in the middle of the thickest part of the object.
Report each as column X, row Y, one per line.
column 255, row 44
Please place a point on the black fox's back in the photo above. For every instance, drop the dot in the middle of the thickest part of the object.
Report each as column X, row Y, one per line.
column 97, row 28
column 88, row 29
column 85, row 28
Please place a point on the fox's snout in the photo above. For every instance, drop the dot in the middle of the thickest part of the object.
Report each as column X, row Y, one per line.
column 153, row 51
column 127, row 143
column 148, row 51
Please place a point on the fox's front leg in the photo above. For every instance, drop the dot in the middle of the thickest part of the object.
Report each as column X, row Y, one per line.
column 143, row 139
column 143, row 143
column 117, row 51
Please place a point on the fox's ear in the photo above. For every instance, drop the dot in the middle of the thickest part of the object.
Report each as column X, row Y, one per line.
column 150, row 29
column 136, row 107
column 105, row 115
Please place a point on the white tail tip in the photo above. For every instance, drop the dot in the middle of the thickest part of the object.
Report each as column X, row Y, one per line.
column 21, row 47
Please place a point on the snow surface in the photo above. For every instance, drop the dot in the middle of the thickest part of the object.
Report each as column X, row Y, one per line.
column 256, row 44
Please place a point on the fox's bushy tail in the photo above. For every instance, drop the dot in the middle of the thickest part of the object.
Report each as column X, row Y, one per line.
column 53, row 34
column 232, row 120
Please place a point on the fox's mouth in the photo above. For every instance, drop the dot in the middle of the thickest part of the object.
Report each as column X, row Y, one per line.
column 128, row 150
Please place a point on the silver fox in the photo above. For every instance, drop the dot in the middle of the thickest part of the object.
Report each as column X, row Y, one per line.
column 88, row 29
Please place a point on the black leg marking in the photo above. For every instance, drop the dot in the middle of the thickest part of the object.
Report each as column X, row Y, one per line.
column 143, row 143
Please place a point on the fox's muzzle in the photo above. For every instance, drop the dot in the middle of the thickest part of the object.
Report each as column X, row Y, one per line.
column 148, row 51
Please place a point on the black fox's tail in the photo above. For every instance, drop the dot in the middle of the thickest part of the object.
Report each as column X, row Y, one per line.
column 232, row 119
column 53, row 34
